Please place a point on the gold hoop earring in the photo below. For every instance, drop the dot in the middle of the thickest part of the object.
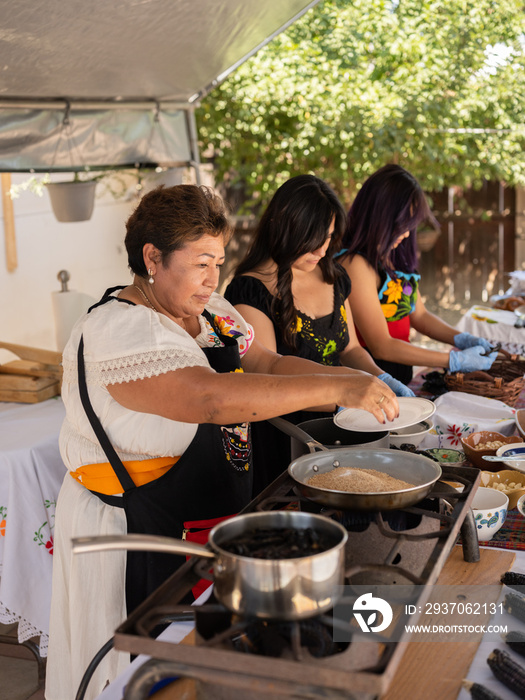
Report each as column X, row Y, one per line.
column 151, row 280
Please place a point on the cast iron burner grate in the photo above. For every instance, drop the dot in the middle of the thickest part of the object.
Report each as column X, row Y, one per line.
column 217, row 626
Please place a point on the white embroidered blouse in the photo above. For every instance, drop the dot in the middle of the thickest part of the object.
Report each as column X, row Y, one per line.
column 123, row 343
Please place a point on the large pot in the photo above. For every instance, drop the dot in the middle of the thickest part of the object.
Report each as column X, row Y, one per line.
column 285, row 589
column 304, row 436
column 415, row 469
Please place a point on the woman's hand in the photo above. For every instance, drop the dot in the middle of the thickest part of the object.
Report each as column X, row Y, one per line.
column 371, row 394
column 471, row 359
column 466, row 340
column 397, row 387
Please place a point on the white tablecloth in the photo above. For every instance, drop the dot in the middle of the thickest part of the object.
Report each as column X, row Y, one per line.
column 31, row 473
column 495, row 325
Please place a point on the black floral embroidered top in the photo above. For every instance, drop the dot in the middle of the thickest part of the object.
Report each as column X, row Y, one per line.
column 318, row 339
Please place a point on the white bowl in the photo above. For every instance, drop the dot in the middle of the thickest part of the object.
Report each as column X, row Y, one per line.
column 411, row 435
column 521, row 504
column 490, row 510
column 515, row 448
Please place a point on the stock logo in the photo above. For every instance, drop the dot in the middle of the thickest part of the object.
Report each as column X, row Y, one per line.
column 367, row 603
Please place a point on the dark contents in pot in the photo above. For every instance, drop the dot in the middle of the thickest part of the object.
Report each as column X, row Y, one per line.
column 279, row 543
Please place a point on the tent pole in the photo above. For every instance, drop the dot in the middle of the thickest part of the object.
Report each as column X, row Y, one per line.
column 191, row 128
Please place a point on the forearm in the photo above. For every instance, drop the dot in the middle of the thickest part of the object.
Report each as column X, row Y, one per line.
column 292, row 365
column 223, row 398
column 433, row 327
column 267, row 396
column 199, row 395
column 359, row 358
column 395, row 350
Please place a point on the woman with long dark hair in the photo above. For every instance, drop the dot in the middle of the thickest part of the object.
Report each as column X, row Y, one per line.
column 379, row 252
column 295, row 295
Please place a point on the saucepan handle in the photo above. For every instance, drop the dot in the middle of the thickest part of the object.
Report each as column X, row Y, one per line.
column 137, row 542
column 298, row 433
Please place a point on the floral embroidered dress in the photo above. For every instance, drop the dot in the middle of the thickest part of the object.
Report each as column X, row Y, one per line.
column 318, row 339
column 397, row 296
column 321, row 340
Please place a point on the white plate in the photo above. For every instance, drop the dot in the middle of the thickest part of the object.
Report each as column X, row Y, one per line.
column 412, row 410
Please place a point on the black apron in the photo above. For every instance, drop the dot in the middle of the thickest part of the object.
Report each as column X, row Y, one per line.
column 211, row 481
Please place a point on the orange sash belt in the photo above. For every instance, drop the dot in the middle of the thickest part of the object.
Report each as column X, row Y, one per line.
column 102, row 479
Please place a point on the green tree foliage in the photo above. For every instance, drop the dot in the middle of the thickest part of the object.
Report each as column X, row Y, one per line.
column 435, row 85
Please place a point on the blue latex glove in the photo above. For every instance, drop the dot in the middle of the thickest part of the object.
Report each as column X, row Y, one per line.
column 397, row 387
column 470, row 359
column 467, row 340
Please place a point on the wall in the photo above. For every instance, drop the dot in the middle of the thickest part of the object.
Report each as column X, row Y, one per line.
column 92, row 251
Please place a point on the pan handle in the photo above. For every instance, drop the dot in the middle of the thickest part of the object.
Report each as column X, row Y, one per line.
column 298, row 433
column 137, row 542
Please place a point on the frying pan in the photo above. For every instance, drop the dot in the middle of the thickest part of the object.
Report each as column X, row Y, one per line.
column 283, row 589
column 412, row 468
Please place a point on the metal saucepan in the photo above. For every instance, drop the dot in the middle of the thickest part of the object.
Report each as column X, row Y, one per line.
column 307, row 436
column 285, row 589
column 412, row 468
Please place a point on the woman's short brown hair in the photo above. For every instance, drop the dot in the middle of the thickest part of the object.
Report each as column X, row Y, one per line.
column 170, row 217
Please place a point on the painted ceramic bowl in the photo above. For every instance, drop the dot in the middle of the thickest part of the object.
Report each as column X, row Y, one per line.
column 485, row 442
column 490, row 511
column 511, row 482
column 411, row 435
column 520, row 505
column 446, row 456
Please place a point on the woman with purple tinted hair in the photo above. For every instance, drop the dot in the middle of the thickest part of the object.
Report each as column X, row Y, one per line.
column 380, row 255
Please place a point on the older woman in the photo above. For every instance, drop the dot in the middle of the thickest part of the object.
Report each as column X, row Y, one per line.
column 161, row 379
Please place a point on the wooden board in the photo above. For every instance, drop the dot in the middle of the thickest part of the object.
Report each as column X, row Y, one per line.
column 184, row 688
column 435, row 669
column 22, row 389
column 25, row 352
column 31, row 369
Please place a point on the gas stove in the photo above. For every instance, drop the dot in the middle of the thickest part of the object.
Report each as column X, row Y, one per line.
column 233, row 657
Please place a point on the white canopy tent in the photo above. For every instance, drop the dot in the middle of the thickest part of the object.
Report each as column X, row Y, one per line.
column 95, row 84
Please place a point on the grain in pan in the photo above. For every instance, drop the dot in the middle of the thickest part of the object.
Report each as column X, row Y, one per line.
column 356, row 480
